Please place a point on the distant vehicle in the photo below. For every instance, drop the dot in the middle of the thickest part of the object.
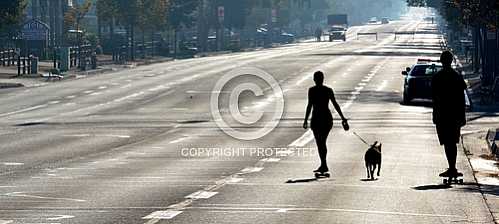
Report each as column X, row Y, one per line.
column 286, row 38
column 373, row 20
column 385, row 20
column 337, row 33
column 338, row 26
column 417, row 82
column 188, row 48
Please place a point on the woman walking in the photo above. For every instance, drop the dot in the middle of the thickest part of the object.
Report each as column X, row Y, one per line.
column 322, row 120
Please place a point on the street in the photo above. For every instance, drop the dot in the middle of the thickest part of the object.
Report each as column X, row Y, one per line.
column 141, row 145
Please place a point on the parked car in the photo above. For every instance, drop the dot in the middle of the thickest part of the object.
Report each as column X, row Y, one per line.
column 417, row 82
column 373, row 20
column 385, row 20
column 286, row 38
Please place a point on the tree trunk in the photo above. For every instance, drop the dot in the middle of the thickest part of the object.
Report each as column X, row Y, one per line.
column 152, row 43
column 132, row 42
column 143, row 43
column 99, row 29
column 175, row 43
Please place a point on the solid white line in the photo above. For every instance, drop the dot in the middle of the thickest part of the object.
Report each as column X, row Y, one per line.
column 12, row 164
column 24, row 110
column 179, row 140
column 255, row 209
column 21, row 194
column 59, row 217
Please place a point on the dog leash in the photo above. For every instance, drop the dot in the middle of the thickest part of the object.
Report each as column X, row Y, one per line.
column 358, row 136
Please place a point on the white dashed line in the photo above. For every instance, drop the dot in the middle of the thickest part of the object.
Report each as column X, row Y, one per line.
column 167, row 214
column 24, row 110
column 201, row 195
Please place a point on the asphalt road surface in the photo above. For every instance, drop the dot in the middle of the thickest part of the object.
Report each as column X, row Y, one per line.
column 141, row 145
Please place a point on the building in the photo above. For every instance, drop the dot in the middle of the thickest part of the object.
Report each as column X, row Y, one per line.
column 50, row 12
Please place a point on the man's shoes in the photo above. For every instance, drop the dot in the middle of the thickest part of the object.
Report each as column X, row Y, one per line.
column 321, row 170
column 451, row 173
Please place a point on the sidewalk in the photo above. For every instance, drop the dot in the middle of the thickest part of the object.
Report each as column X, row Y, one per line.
column 485, row 168
column 9, row 78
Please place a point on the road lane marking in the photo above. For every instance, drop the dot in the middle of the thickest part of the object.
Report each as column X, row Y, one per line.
column 158, row 215
column 180, row 140
column 93, row 135
column 24, row 110
column 21, row 194
column 312, row 209
column 60, row 217
column 71, row 97
column 129, row 96
column 303, row 140
column 54, row 102
column 201, row 195
column 12, row 164
column 251, row 170
column 126, row 86
column 6, row 221
column 382, row 86
column 270, row 160
column 233, row 180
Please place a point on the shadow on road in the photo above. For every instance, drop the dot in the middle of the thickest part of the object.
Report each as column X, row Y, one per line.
column 421, row 103
column 377, row 53
column 368, row 179
column 432, row 187
column 302, row 180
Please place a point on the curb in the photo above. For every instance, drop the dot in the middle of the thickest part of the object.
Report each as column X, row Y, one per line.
column 86, row 73
column 10, row 85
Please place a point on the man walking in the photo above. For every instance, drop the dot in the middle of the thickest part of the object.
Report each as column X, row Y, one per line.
column 449, row 110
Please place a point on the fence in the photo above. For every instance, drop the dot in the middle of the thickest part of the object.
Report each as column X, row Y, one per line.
column 367, row 34
column 7, row 57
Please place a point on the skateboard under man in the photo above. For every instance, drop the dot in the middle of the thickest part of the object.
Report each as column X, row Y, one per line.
column 453, row 179
column 320, row 174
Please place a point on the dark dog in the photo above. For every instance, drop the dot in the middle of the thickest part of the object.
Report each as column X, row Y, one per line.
column 373, row 159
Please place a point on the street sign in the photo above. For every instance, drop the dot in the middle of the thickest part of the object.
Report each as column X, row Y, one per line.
column 35, row 30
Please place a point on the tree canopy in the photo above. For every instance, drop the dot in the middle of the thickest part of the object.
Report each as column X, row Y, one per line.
column 11, row 13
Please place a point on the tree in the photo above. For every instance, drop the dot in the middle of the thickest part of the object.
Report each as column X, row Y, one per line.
column 128, row 17
column 74, row 15
column 466, row 12
column 152, row 17
column 11, row 14
column 107, row 11
column 181, row 13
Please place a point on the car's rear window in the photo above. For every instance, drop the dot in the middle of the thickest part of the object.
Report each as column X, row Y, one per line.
column 425, row 70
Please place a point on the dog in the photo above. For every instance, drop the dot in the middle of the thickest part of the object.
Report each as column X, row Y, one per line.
column 373, row 159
